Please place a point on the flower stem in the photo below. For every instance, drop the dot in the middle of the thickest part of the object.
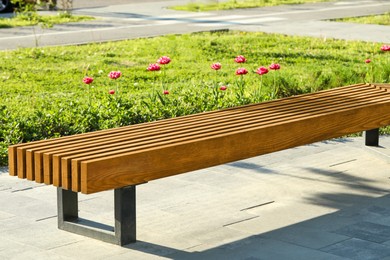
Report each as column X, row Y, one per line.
column 275, row 88
column 261, row 86
column 215, row 90
column 242, row 86
column 89, row 95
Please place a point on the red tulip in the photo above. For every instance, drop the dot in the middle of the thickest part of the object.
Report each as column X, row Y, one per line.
column 111, row 92
column 153, row 67
column 216, row 66
column 163, row 60
column 241, row 71
column 166, row 92
column 240, row 59
column 115, row 74
column 385, row 48
column 223, row 88
column 367, row 61
column 274, row 66
column 262, row 70
column 88, row 80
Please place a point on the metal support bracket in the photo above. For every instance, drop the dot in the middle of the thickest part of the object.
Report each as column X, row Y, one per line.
column 124, row 231
column 372, row 137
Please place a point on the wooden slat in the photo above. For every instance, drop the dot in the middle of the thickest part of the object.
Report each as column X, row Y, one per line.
column 38, row 163
column 12, row 161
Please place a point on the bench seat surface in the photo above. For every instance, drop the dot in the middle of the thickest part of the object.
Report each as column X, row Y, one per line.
column 136, row 154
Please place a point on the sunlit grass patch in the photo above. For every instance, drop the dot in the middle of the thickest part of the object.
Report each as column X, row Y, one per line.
column 200, row 6
column 383, row 19
column 30, row 19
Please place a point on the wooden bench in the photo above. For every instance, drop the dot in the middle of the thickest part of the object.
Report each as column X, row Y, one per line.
column 122, row 158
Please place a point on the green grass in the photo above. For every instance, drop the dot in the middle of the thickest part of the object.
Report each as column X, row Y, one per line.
column 42, row 94
column 383, row 19
column 30, row 19
column 234, row 4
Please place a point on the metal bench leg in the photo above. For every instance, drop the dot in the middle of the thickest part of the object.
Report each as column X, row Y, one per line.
column 372, row 137
column 125, row 215
column 124, row 231
column 67, row 206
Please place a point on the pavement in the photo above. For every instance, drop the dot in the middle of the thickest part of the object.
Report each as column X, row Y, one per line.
column 153, row 18
column 327, row 200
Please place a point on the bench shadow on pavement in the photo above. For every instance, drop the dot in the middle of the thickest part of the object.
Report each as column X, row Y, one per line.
column 354, row 232
column 358, row 229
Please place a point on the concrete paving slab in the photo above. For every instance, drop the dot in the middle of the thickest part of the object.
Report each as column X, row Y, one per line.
column 306, row 237
column 15, row 222
column 14, row 250
column 281, row 216
column 358, row 249
column 86, row 248
column 366, row 231
column 256, row 247
column 36, row 209
column 42, row 234
column 351, row 215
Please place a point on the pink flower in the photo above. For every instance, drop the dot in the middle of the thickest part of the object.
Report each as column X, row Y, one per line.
column 166, row 92
column 163, row 60
column 241, row 71
column 115, row 74
column 262, row 70
column 216, row 66
column 87, row 80
column 240, row 59
column 385, row 48
column 111, row 92
column 153, row 67
column 274, row 66
column 367, row 61
column 223, row 88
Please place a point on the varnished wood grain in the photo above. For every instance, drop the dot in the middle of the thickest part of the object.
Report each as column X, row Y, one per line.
column 59, row 142
column 136, row 154
column 52, row 146
column 12, row 161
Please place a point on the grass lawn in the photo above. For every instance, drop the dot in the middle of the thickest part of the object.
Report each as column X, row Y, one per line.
column 30, row 19
column 233, row 4
column 42, row 94
column 383, row 19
